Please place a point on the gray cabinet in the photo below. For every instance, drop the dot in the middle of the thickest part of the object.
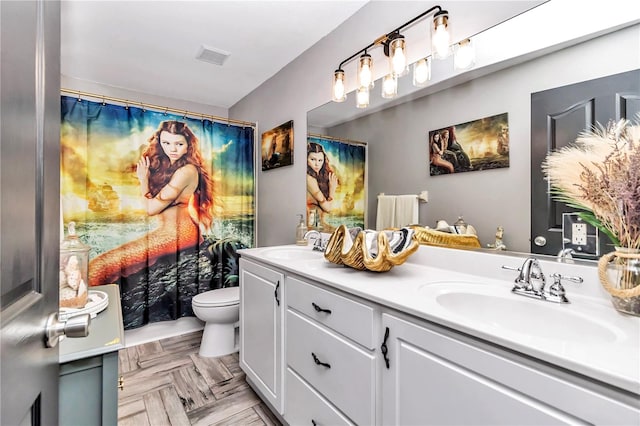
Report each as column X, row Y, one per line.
column 89, row 392
column 88, row 389
column 261, row 323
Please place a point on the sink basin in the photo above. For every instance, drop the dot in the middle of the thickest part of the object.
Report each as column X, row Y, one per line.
column 496, row 307
column 291, row 253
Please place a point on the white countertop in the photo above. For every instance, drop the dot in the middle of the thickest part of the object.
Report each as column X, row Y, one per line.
column 609, row 352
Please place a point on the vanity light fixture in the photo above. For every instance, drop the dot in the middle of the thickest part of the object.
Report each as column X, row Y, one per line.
column 365, row 71
column 389, row 86
column 394, row 45
column 422, row 72
column 464, row 55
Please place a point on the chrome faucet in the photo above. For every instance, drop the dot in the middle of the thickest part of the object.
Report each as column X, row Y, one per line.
column 318, row 244
column 531, row 282
column 566, row 254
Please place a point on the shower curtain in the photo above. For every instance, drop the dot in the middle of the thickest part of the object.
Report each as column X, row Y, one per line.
column 101, row 144
column 347, row 160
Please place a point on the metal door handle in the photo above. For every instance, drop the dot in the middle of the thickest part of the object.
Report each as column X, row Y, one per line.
column 76, row 326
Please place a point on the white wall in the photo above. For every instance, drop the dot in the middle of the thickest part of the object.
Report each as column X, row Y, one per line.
column 146, row 98
column 398, row 157
column 305, row 84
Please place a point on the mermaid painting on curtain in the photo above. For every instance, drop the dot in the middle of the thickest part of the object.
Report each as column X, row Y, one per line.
column 156, row 225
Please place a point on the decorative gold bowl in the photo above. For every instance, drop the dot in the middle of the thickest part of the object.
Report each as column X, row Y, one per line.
column 377, row 251
column 431, row 237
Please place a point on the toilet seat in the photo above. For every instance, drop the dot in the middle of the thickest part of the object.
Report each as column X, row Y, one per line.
column 228, row 296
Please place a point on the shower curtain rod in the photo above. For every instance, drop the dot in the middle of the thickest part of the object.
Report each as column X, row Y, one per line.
column 315, row 135
column 159, row 108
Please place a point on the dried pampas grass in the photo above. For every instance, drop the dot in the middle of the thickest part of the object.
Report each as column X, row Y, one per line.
column 600, row 176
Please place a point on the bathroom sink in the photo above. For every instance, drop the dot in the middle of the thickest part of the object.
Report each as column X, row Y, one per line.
column 291, row 253
column 496, row 307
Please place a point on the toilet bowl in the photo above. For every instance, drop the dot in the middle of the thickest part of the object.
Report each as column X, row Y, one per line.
column 220, row 310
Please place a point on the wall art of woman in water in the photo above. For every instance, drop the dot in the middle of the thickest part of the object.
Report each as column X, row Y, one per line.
column 322, row 182
column 177, row 188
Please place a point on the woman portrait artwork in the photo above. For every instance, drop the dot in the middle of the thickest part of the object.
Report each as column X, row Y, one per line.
column 322, row 183
column 177, row 189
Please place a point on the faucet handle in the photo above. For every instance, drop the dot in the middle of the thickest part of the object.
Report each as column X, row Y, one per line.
column 576, row 279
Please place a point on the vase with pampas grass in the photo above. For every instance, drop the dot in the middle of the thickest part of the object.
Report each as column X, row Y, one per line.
column 599, row 176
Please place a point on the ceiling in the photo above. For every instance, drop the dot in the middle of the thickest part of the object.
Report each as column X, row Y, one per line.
column 151, row 46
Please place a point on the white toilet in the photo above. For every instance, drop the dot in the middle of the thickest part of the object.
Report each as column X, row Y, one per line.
column 220, row 310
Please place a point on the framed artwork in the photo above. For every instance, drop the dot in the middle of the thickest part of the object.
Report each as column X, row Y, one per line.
column 277, row 146
column 472, row 146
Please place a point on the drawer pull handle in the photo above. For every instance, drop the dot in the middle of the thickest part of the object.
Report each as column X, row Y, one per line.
column 318, row 362
column 275, row 293
column 313, row 422
column 384, row 348
column 121, row 383
column 319, row 309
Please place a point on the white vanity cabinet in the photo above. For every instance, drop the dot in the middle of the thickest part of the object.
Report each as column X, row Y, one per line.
column 331, row 359
column 261, row 329
column 438, row 377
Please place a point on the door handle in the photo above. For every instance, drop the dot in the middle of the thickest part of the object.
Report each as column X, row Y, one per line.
column 76, row 326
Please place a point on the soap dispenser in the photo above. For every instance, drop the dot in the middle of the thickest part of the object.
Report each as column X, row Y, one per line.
column 301, row 229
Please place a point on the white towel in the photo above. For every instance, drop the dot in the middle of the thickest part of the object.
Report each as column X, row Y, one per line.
column 386, row 212
column 406, row 211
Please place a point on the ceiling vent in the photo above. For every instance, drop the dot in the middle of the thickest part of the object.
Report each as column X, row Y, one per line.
column 212, row 55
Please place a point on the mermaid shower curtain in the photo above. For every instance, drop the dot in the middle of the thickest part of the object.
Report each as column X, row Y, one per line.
column 160, row 260
column 347, row 159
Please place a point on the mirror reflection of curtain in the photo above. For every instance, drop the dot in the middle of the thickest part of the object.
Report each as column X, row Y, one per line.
column 347, row 204
column 181, row 237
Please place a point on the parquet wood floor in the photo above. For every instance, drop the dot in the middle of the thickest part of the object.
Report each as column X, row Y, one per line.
column 166, row 382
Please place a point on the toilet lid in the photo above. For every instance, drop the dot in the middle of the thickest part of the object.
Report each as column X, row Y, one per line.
column 219, row 297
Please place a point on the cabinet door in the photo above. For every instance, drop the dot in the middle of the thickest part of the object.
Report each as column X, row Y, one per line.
column 424, row 386
column 261, row 344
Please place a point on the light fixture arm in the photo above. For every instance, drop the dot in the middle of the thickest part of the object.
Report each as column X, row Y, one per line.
column 383, row 39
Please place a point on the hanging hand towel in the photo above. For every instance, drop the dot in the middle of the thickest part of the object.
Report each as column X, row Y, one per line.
column 386, row 212
column 406, row 211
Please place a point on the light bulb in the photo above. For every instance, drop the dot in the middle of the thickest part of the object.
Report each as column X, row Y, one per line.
column 339, row 94
column 397, row 56
column 362, row 97
column 365, row 71
column 422, row 72
column 465, row 55
column 389, row 86
column 440, row 35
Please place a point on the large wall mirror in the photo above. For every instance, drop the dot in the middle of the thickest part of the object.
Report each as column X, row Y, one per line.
column 396, row 131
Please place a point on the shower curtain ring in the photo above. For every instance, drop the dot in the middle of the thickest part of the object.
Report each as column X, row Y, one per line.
column 184, row 117
column 79, row 98
column 165, row 111
column 103, row 102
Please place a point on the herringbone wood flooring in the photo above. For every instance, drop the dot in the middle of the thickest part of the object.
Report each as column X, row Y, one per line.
column 167, row 383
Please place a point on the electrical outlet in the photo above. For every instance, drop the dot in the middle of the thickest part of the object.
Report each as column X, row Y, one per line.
column 579, row 234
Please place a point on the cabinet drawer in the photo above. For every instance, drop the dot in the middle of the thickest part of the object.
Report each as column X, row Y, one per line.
column 346, row 364
column 348, row 317
column 305, row 406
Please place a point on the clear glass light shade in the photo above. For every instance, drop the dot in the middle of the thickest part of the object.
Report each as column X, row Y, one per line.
column 464, row 56
column 441, row 35
column 389, row 86
column 339, row 90
column 362, row 97
column 365, row 71
column 397, row 56
column 422, row 72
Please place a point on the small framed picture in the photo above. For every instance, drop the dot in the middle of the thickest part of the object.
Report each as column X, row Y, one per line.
column 277, row 146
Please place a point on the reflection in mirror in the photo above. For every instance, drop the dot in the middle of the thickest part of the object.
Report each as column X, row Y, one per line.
column 396, row 132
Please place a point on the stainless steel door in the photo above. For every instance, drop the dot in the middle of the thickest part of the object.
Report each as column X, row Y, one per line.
column 29, row 208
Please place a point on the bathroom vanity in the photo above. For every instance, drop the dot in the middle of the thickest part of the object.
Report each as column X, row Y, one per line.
column 89, row 368
column 440, row 339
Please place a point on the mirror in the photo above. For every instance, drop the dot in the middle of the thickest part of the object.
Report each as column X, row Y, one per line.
column 397, row 131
